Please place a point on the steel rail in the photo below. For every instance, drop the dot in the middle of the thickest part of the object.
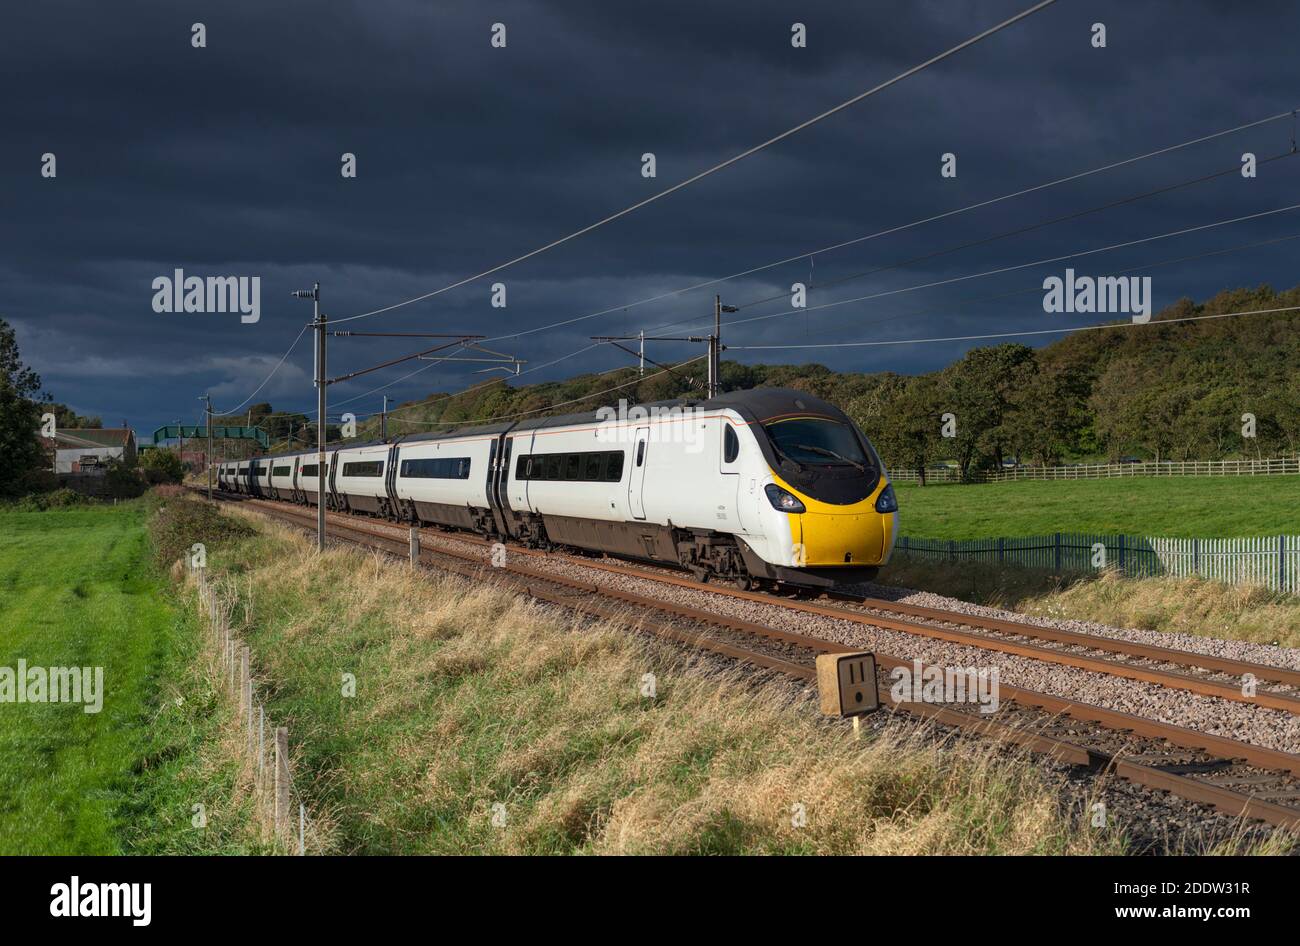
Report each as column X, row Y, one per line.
column 586, row 600
column 1167, row 678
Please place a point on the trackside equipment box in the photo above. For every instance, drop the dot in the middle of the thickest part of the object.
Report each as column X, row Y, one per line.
column 847, row 684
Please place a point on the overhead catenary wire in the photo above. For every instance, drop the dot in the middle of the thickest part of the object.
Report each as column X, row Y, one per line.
column 1008, row 269
column 983, row 241
column 933, row 218
column 539, row 367
column 584, row 349
column 947, row 310
column 551, row 407
column 1113, row 165
column 992, row 335
column 716, row 167
column 1020, row 231
column 267, row 379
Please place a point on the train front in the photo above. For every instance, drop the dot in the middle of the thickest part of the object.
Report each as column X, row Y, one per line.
column 827, row 482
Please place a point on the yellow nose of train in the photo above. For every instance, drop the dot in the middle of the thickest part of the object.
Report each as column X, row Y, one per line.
column 853, row 534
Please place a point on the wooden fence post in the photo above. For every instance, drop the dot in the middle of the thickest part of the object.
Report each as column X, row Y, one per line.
column 415, row 546
column 245, row 705
column 281, row 781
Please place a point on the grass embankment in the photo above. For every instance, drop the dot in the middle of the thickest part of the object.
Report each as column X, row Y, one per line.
column 468, row 698
column 1206, row 507
column 1179, row 506
column 1175, row 605
column 80, row 590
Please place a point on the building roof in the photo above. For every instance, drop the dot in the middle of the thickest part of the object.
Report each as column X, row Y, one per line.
column 72, row 438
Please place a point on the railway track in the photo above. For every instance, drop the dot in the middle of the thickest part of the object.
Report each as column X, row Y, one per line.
column 1236, row 777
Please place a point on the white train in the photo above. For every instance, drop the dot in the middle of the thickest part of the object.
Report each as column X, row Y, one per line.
column 758, row 487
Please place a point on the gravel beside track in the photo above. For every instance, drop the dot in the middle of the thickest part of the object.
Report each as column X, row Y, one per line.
column 1154, row 820
column 1275, row 729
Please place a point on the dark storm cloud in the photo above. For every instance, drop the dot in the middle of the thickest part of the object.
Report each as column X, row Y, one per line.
column 225, row 160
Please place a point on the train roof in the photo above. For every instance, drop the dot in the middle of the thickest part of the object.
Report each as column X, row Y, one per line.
column 756, row 404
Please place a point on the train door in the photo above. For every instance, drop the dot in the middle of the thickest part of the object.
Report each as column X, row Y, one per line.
column 636, row 479
column 729, row 467
column 520, row 499
column 498, row 490
column 390, row 480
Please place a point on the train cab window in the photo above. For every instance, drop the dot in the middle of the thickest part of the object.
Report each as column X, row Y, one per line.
column 364, row 468
column 730, row 444
column 817, row 440
column 640, row 452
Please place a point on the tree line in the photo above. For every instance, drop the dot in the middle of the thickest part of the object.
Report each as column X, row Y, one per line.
column 1169, row 390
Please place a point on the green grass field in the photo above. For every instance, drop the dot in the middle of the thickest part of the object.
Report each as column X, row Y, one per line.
column 1185, row 506
column 77, row 588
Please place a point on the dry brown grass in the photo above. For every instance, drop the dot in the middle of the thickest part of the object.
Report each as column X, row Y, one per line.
column 1178, row 605
column 470, row 697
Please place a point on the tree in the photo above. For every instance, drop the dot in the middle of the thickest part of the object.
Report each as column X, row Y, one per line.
column 1049, row 413
column 20, row 416
column 67, row 418
column 901, row 417
column 978, row 392
column 162, row 466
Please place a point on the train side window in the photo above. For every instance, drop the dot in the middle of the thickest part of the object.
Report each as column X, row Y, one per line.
column 551, row 470
column 522, row 467
column 573, row 467
column 640, row 452
column 591, row 471
column 730, row 444
column 614, row 466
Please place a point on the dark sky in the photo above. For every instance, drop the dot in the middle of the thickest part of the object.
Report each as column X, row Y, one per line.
column 225, row 161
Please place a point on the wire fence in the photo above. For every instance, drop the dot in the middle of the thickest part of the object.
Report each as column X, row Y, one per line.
column 1269, row 561
column 267, row 745
column 1095, row 471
